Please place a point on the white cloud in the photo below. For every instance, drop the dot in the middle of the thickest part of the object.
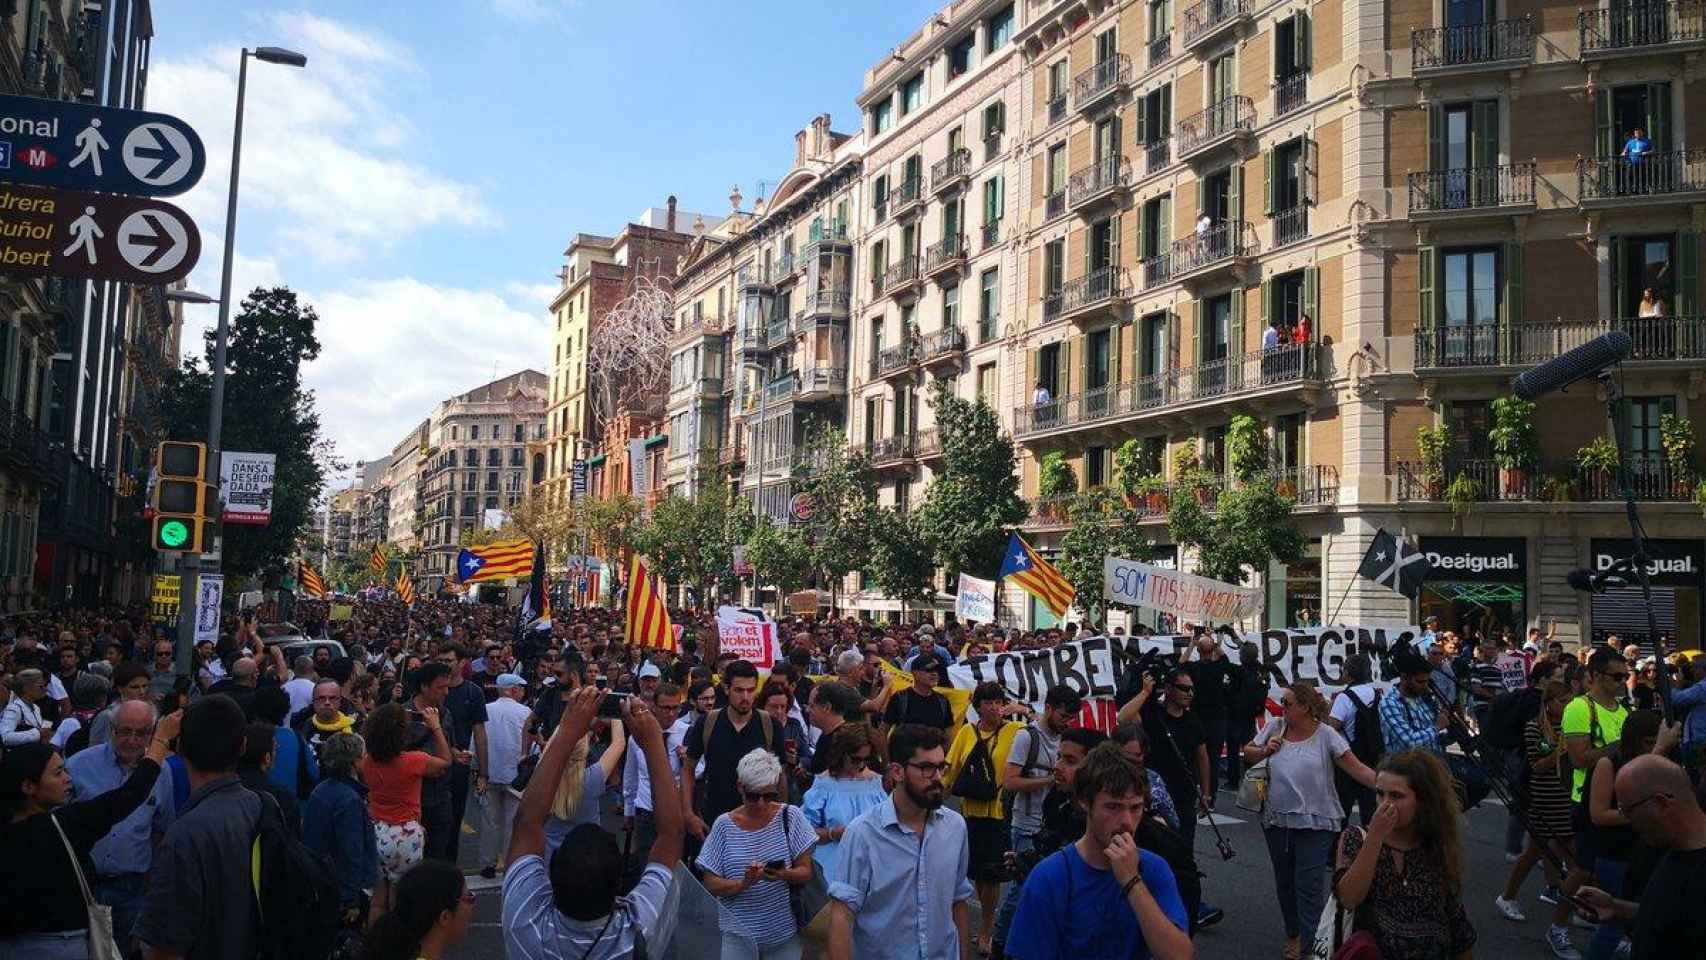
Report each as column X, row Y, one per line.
column 534, row 11
column 534, row 294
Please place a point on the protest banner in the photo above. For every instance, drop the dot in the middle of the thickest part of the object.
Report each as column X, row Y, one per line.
column 1191, row 598
column 1513, row 670
column 977, row 599
column 749, row 635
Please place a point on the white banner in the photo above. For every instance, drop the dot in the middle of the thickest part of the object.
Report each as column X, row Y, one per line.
column 1191, row 598
column 637, row 467
column 749, row 635
column 210, row 592
column 245, row 486
column 977, row 599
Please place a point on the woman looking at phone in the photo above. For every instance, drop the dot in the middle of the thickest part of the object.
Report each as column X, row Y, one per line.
column 752, row 855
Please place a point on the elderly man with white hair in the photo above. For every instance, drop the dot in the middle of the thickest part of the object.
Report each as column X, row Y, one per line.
column 122, row 857
column 754, row 854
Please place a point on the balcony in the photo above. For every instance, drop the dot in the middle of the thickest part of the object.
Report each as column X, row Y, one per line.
column 1500, row 45
column 732, row 453
column 1160, row 50
column 1054, row 205
column 1498, row 346
column 952, row 172
column 755, row 277
column 943, row 346
column 1654, row 178
column 1210, row 20
column 1101, row 84
column 946, row 257
column 907, row 198
column 753, row 341
column 904, row 280
column 1157, row 155
column 928, row 445
column 1099, row 184
column 890, row 452
column 827, row 231
column 1291, row 94
column 776, row 331
column 1226, row 245
column 1089, row 296
column 1291, row 226
column 991, row 234
column 822, row 383
column 1469, row 192
column 780, row 389
column 1225, row 122
column 1157, row 270
column 1286, row 369
column 1056, row 108
column 1637, row 28
column 1652, row 479
column 709, row 388
column 826, row 302
column 895, row 360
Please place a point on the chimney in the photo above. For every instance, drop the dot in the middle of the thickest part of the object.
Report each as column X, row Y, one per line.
column 734, row 198
column 820, row 136
column 669, row 224
column 800, row 148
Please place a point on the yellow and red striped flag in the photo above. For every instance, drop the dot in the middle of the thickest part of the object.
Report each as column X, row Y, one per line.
column 495, row 561
column 311, row 582
column 376, row 561
column 1028, row 569
column 648, row 618
column 405, row 588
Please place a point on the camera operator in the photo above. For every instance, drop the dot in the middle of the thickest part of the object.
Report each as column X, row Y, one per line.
column 1218, row 681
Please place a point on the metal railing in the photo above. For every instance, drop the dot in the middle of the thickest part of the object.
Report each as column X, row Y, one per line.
column 941, row 343
column 1629, row 26
column 928, row 443
column 1651, row 478
column 877, row 283
column 991, row 234
column 1105, row 77
column 823, row 380
column 1314, row 485
column 827, row 230
column 907, row 194
column 886, row 450
column 1291, row 94
column 1471, row 188
column 1057, row 108
column 753, row 338
column 1205, row 18
column 950, row 251
column 1098, row 286
column 1157, row 154
column 1651, row 175
column 1227, row 240
column 1109, row 173
column 1506, row 344
column 895, row 358
column 1234, row 114
column 1157, row 270
column 904, row 271
column 954, row 167
column 1054, row 204
column 1160, row 50
column 782, row 387
column 988, row 328
column 1290, row 226
column 1433, row 48
column 828, row 300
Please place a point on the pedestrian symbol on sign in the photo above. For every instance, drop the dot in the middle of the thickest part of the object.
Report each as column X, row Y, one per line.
column 84, row 232
column 90, row 143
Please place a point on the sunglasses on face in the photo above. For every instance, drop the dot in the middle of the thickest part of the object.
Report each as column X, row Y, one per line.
column 762, row 797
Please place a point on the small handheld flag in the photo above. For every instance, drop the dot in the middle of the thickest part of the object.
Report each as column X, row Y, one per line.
column 1026, row 568
column 405, row 588
column 376, row 561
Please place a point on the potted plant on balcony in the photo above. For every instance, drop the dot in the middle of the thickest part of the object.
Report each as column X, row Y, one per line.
column 1700, row 496
column 1516, row 446
column 1432, row 443
column 1128, row 469
column 1055, row 481
column 1677, row 435
column 1152, row 488
column 1462, row 493
column 1597, row 460
column 1188, row 471
column 1556, row 489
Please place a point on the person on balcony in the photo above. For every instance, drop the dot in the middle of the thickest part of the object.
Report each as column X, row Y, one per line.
column 1651, row 305
column 1271, row 340
column 1636, row 174
column 1300, row 334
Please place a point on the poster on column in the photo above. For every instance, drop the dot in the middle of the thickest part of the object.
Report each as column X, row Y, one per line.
column 749, row 635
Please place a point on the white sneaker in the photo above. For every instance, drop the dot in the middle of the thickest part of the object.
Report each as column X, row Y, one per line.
column 1558, row 938
column 1509, row 908
column 1624, row 948
column 1512, row 857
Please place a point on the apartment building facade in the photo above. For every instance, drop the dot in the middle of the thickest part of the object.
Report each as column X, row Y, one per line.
column 404, row 513
column 939, row 241
column 701, row 359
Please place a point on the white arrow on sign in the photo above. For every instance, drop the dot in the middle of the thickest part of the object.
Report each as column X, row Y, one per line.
column 153, row 241
column 158, row 155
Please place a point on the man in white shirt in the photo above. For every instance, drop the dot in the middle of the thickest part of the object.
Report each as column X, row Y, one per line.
column 300, row 687
column 506, row 717
column 637, row 805
column 1360, row 689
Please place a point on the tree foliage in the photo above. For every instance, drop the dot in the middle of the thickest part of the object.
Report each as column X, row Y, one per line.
column 1251, row 524
column 781, row 556
column 1101, row 525
column 691, row 541
column 841, row 487
column 974, row 500
column 266, row 410
column 901, row 564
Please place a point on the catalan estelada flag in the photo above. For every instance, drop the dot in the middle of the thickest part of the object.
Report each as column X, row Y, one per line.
column 495, row 561
column 648, row 618
column 376, row 560
column 310, row 580
column 1029, row 570
column 536, row 605
column 405, row 588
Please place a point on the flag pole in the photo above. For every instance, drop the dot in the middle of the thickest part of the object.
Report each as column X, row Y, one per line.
column 1349, row 583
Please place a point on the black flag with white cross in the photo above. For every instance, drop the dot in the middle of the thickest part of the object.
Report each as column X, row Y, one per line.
column 1395, row 564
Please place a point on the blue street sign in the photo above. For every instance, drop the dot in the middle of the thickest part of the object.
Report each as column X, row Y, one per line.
column 77, row 146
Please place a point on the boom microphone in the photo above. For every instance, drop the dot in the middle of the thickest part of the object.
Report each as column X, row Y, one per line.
column 1580, row 363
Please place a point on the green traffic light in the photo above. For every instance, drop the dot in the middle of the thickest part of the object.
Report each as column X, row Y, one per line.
column 173, row 533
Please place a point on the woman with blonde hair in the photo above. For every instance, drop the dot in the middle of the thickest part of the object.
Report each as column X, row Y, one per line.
column 1301, row 815
column 582, row 785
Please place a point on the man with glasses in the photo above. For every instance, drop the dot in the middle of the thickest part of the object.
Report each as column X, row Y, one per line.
column 162, row 673
column 1657, row 799
column 123, row 857
column 1026, row 778
column 898, row 887
column 465, row 702
column 637, row 800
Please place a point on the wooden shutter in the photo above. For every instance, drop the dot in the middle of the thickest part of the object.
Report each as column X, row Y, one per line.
column 1142, row 119
column 1604, row 124
column 1195, row 318
column 1000, row 196
column 1166, row 111
column 1426, row 301
column 1115, row 228
column 1267, row 293
column 1687, row 274
column 1268, row 182
column 1658, row 115
column 1484, row 147
column 1312, row 298
column 1436, row 137
column 1235, row 325
column 1300, row 40
column 1619, row 270
column 1065, row 368
column 1235, row 194
column 1512, row 302
column 1164, row 233
column 1143, row 214
column 1308, row 179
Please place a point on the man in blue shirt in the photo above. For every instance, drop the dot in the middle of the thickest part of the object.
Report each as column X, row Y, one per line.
column 1637, row 146
column 1103, row 898
column 1409, row 718
column 123, row 856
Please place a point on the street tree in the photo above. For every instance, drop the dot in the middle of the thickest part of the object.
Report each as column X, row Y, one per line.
column 690, row 541
column 841, row 489
column 973, row 502
column 900, row 563
column 1101, row 524
column 1242, row 524
column 780, row 556
column 267, row 410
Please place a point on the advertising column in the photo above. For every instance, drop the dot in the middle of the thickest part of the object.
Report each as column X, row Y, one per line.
column 1678, row 574
column 1477, row 583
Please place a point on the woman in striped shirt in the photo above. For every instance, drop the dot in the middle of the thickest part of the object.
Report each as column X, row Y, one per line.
column 753, row 854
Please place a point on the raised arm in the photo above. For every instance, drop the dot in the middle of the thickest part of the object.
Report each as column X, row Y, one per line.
column 528, row 834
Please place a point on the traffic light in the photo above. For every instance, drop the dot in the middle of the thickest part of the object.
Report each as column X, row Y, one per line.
column 183, row 500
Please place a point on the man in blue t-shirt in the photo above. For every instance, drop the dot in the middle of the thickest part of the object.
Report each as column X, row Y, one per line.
column 1103, row 898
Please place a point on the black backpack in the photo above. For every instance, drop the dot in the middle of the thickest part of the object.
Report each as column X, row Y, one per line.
column 1369, row 742
column 296, row 891
column 1508, row 714
column 977, row 778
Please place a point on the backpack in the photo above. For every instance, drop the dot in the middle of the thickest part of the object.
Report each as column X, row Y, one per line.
column 711, row 725
column 304, row 782
column 1369, row 742
column 1031, row 753
column 1507, row 715
column 977, row 778
column 296, row 891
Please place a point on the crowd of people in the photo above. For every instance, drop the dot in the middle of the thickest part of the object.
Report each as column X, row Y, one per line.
column 824, row 807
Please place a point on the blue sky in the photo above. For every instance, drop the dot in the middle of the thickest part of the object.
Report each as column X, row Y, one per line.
column 418, row 182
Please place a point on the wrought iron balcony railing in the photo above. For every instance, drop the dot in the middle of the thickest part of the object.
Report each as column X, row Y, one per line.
column 945, row 254
column 1227, row 240
column 1502, row 344
column 1206, row 19
column 1651, row 175
column 1290, row 226
column 1095, row 288
column 1096, row 83
column 950, row 170
column 1471, row 188
column 1499, row 42
column 1100, row 179
column 1630, row 27
column 1225, row 118
column 1291, row 94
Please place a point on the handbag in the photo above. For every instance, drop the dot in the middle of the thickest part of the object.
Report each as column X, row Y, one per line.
column 1253, row 789
column 808, row 902
column 102, row 946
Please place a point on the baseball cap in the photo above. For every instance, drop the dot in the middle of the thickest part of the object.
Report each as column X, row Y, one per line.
column 650, row 670
column 927, row 661
column 510, row 680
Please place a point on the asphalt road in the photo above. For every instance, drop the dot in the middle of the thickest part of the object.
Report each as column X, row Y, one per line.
column 1243, row 887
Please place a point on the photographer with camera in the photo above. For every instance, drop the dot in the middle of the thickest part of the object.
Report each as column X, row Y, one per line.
column 1027, row 776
